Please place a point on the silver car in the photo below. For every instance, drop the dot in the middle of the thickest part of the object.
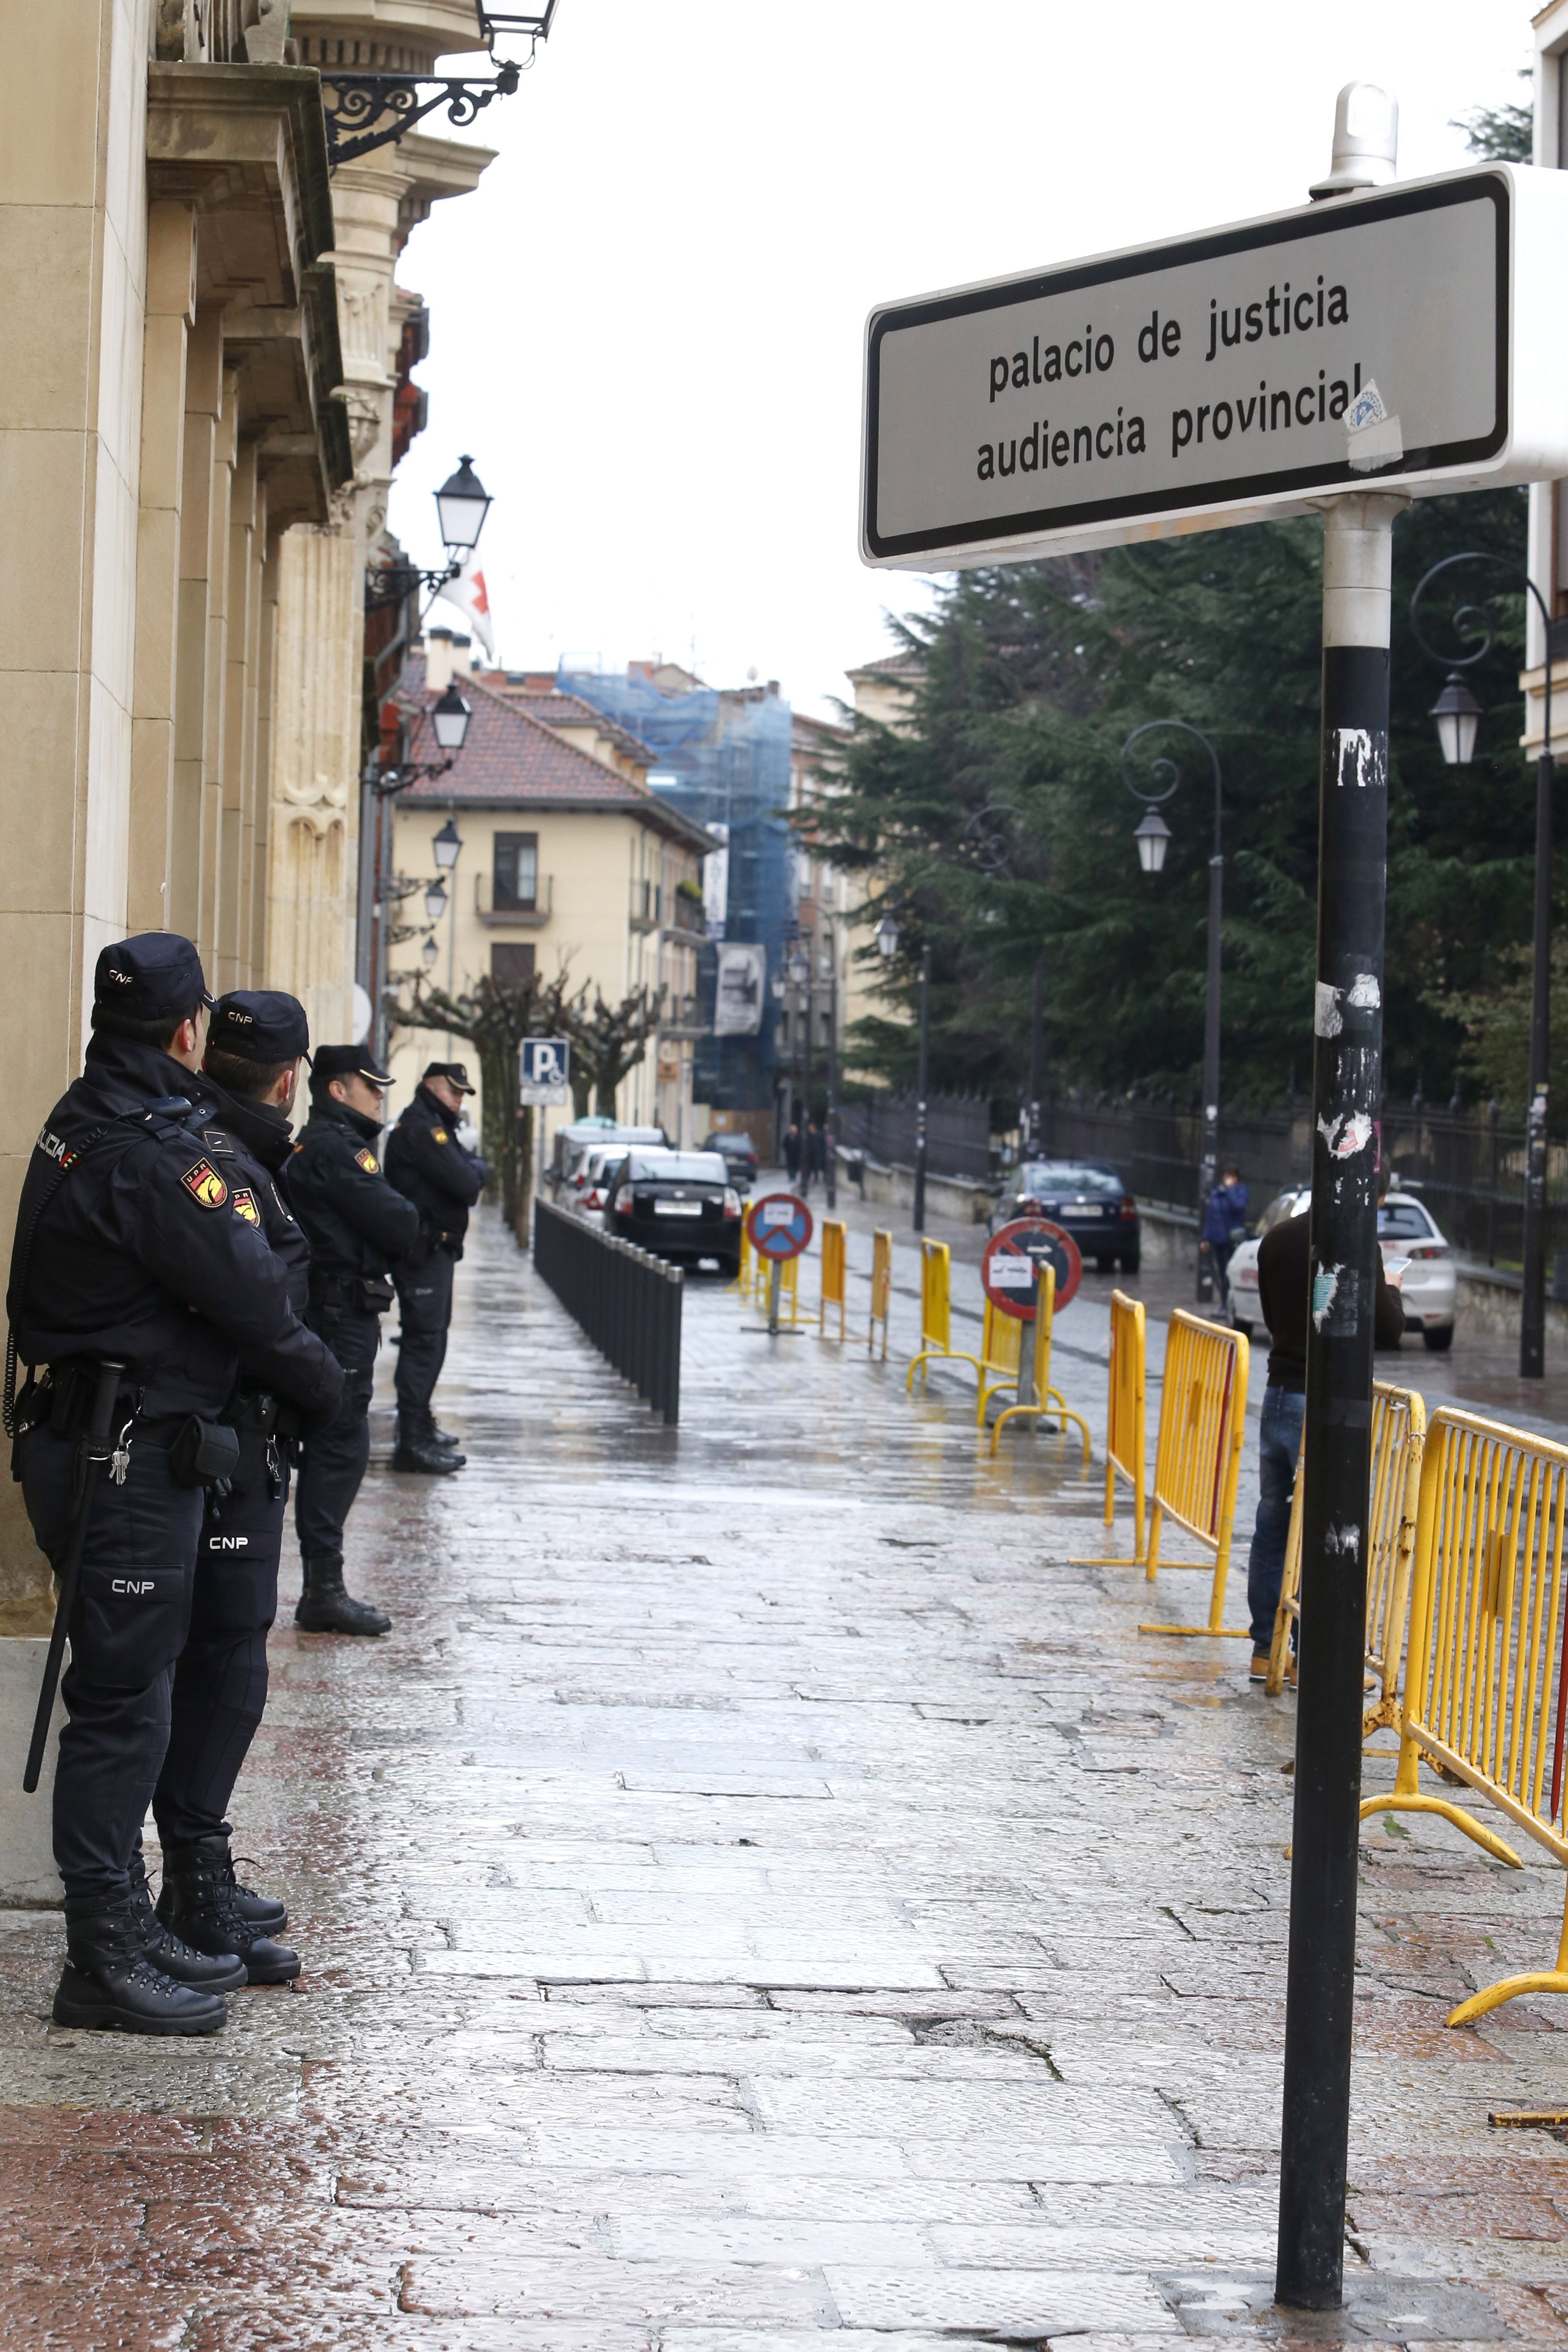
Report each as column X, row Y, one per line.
column 1406, row 1229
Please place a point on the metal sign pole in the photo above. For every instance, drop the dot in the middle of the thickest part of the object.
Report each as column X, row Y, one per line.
column 1029, row 1336
column 775, row 1283
column 1358, row 543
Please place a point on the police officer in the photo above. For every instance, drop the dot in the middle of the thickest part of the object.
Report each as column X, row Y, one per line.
column 131, row 1250
column 358, row 1228
column 249, row 1075
column 427, row 1163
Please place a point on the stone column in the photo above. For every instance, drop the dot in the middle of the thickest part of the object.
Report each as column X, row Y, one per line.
column 313, row 820
column 171, row 310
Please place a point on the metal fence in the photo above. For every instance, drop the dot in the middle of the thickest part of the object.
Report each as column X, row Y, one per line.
column 628, row 1301
column 958, row 1132
column 1469, row 1164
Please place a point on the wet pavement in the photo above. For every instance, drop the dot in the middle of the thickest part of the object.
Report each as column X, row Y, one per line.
column 764, row 1893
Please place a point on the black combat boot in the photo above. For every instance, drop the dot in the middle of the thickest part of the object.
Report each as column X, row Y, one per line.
column 444, row 1439
column 197, row 1902
column 425, row 1456
column 326, row 1606
column 108, row 1982
column 262, row 1911
column 211, row 1971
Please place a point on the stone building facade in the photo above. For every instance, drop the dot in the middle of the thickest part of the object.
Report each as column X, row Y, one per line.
column 196, row 439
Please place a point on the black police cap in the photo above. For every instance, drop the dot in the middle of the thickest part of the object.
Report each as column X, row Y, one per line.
column 455, row 1073
column 260, row 1024
column 155, row 976
column 346, row 1062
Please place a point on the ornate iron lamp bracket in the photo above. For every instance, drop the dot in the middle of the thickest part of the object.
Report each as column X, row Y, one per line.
column 366, row 111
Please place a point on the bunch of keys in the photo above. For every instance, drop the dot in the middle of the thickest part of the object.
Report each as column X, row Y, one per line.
column 119, row 1460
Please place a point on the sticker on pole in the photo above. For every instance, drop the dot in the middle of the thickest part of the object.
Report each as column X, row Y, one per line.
column 1007, row 1268
column 778, row 1226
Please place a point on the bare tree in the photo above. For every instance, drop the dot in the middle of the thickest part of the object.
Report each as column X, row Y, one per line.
column 494, row 1017
column 607, row 1044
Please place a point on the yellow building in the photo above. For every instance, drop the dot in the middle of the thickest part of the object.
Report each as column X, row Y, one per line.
column 568, row 862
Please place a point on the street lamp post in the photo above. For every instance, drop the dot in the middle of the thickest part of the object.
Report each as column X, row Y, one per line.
column 1152, row 836
column 920, row 1086
column 1457, row 716
column 800, row 981
column 1036, row 1063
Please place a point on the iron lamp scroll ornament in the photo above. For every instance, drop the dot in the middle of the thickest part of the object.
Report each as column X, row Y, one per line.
column 367, row 111
column 1456, row 714
column 1152, row 836
column 462, row 502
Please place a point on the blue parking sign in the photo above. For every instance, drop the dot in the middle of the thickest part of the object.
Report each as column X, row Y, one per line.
column 545, row 1068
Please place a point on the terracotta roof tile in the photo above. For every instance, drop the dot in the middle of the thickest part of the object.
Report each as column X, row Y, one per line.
column 511, row 760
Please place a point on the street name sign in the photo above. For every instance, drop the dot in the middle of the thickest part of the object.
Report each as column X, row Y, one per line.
column 544, row 1067
column 1416, row 338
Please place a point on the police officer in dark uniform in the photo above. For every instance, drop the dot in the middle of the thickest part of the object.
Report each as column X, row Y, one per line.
column 427, row 1163
column 130, row 1250
column 249, row 1074
column 358, row 1228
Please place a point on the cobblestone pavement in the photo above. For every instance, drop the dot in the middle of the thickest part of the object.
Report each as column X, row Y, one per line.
column 761, row 1891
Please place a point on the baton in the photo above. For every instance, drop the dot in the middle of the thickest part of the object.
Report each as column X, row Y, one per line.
column 92, row 1450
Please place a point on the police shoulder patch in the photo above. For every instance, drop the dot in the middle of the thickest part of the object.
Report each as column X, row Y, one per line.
column 205, row 1185
column 368, row 1162
column 216, row 1141
column 438, row 1135
column 245, row 1206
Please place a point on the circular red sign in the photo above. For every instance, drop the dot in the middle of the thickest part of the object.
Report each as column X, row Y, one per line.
column 1005, row 1269
column 778, row 1226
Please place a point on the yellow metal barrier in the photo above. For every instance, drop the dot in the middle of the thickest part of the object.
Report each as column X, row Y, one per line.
column 833, row 1258
column 1398, row 1435
column 1483, row 1690
column 936, row 1322
column 1125, row 1443
column 881, row 1290
column 743, row 1282
column 1197, row 1455
column 1048, row 1405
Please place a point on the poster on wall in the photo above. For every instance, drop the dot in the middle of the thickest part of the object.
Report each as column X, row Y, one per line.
column 738, row 998
column 716, row 882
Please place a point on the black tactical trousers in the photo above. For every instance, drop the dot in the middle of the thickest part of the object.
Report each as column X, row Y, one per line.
column 220, row 1678
column 335, row 1456
column 425, row 1296
column 127, row 1628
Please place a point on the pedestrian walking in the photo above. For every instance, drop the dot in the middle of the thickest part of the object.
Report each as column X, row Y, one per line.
column 1224, row 1224
column 792, row 1151
column 429, row 1166
column 358, row 1228
column 133, row 1250
column 816, row 1150
column 249, row 1075
column 1284, row 1299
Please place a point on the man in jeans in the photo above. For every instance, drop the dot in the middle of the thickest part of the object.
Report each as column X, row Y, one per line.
column 1284, row 1281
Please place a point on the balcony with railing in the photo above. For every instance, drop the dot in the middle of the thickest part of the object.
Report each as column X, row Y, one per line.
column 509, row 907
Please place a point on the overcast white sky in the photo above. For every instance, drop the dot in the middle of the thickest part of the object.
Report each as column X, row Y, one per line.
column 647, row 324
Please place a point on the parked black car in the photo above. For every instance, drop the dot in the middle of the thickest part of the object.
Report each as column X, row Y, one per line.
column 680, row 1204
column 740, row 1158
column 1088, row 1200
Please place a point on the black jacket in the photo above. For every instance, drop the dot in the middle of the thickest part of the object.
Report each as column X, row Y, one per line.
column 251, row 1145
column 357, row 1225
column 144, row 1228
column 430, row 1167
column 1284, row 1283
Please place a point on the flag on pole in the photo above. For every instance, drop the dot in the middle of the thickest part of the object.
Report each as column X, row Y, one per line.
column 468, row 594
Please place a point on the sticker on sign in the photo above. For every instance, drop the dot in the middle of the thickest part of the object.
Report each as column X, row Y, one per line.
column 778, row 1213
column 1013, row 1273
column 1418, row 335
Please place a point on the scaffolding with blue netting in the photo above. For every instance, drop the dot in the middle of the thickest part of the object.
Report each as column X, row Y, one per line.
column 722, row 759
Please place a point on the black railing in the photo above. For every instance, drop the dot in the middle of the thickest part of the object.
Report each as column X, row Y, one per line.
column 1468, row 1163
column 628, row 1301
column 958, row 1131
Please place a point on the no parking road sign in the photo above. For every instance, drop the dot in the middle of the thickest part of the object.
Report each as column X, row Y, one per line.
column 778, row 1226
column 1007, row 1269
